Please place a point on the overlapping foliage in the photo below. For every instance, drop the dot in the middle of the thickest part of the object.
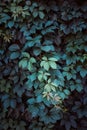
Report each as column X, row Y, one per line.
column 43, row 65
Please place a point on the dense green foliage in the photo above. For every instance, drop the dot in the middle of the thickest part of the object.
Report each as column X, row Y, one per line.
column 43, row 65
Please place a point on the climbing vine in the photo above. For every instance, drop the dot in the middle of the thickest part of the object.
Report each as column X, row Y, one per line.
column 43, row 65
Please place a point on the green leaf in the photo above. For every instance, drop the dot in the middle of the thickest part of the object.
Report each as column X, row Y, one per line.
column 25, row 54
column 36, row 52
column 45, row 77
column 47, row 87
column 14, row 55
column 29, row 44
column 6, row 103
column 83, row 72
column 79, row 87
column 4, row 17
column 34, row 110
column 66, row 91
column 49, row 80
column 48, row 48
column 53, row 88
column 14, row 47
column 30, row 66
column 32, row 60
column 72, row 87
column 62, row 95
column 68, row 75
column 23, row 63
column 35, row 14
column 40, row 77
column 29, row 85
column 33, row 76
column 13, row 103
column 10, row 24
column 46, row 66
column 48, row 23
column 39, row 99
column 44, row 58
column 5, row 97
column 53, row 59
column 55, row 83
column 53, row 65
column 19, row 90
column 41, row 15
column 31, row 101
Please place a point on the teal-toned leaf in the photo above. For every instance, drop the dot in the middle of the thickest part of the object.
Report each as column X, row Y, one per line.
column 72, row 87
column 29, row 85
column 10, row 24
column 30, row 66
column 35, row 14
column 31, row 101
column 47, row 48
column 45, row 77
column 23, row 63
column 53, row 59
column 14, row 55
column 25, row 54
column 79, row 87
column 47, row 87
column 44, row 58
column 49, row 80
column 53, row 88
column 55, row 83
column 29, row 44
column 40, row 77
column 66, row 91
column 13, row 103
column 46, row 66
column 68, row 75
column 6, row 103
column 14, row 47
column 83, row 72
column 39, row 99
column 5, row 97
column 41, row 15
column 48, row 23
column 53, row 65
column 32, row 77
column 32, row 60
column 19, row 90
column 34, row 110
column 62, row 95
column 36, row 52
column 4, row 17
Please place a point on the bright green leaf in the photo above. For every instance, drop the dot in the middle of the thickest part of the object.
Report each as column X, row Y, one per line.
column 53, row 65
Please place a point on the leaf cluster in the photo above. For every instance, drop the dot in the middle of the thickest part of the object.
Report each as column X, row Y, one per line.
column 43, row 65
